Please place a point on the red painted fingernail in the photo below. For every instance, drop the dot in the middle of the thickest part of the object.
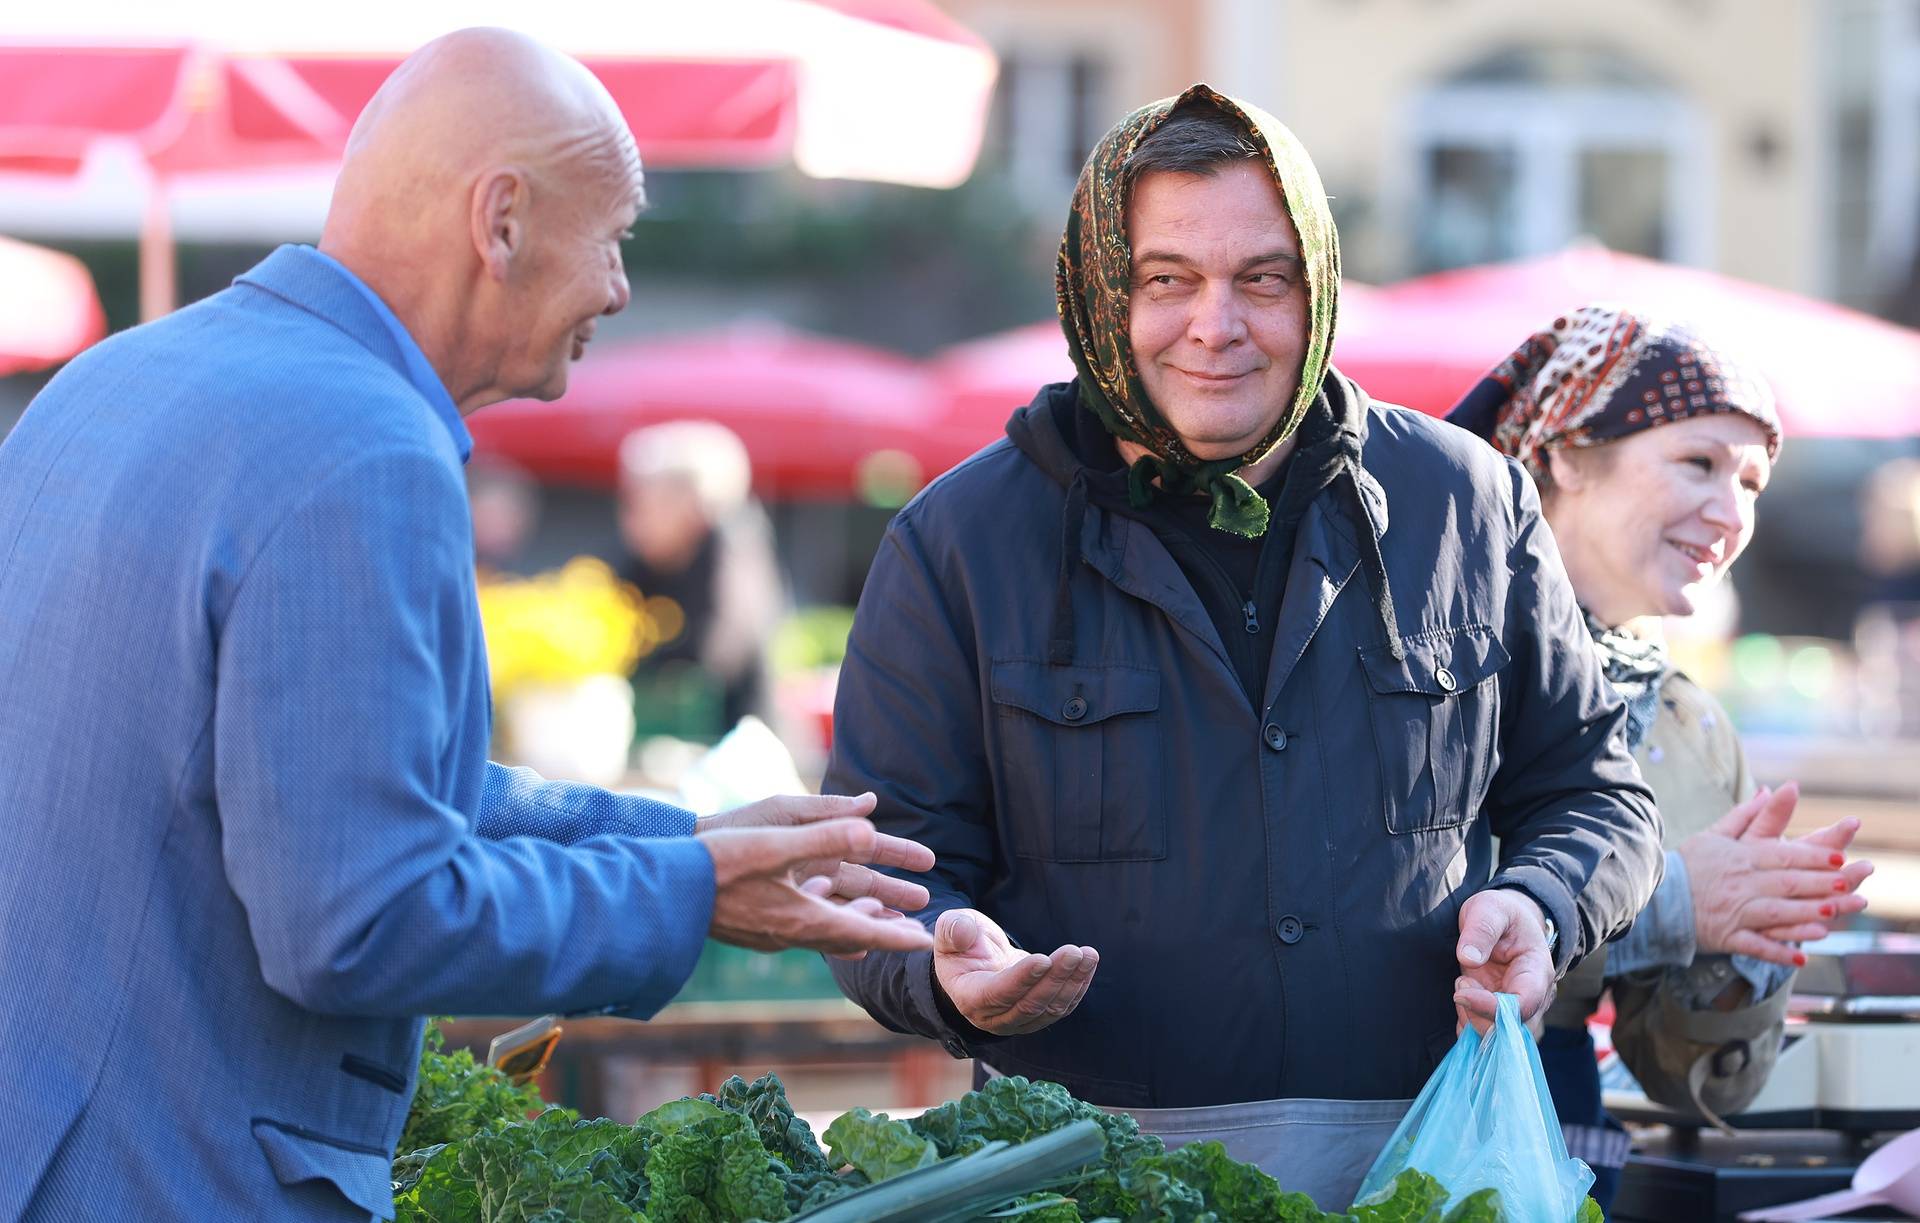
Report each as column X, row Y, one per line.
column 1839, row 885
column 1836, row 859
column 1799, row 959
column 1826, row 910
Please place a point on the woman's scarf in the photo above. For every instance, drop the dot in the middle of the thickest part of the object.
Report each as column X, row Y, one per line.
column 1601, row 373
column 1094, row 276
column 1636, row 668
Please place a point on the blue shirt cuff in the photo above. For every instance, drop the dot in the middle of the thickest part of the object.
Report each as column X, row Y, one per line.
column 1662, row 936
column 519, row 802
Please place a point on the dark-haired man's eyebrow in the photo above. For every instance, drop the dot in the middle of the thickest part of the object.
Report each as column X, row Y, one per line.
column 1293, row 261
column 1288, row 258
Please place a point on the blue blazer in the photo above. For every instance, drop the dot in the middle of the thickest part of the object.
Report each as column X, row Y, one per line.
column 251, row 834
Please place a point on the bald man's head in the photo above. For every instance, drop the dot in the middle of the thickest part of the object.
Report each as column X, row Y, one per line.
column 484, row 194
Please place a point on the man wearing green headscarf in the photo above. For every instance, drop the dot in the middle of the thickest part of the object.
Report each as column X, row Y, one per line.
column 1211, row 686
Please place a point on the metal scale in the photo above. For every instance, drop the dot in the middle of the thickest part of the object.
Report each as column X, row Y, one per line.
column 1849, row 1068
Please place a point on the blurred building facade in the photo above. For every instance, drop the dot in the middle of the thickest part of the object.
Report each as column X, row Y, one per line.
column 1773, row 140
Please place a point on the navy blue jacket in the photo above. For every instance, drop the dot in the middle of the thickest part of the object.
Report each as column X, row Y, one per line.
column 1274, row 889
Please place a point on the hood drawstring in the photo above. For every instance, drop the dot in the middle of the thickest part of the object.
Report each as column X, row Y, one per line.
column 1370, row 558
column 1376, row 567
column 1060, row 640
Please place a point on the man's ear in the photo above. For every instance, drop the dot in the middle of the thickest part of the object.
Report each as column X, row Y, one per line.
column 497, row 218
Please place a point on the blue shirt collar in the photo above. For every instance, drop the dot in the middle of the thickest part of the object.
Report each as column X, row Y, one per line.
column 322, row 284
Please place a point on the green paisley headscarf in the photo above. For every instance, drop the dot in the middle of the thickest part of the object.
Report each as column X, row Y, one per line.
column 1094, row 276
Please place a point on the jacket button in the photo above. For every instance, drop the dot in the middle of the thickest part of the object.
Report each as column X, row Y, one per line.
column 1276, row 738
column 1290, row 928
column 1445, row 679
column 1074, row 709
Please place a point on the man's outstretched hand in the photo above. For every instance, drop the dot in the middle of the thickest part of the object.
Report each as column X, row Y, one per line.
column 1502, row 950
column 795, row 872
column 999, row 988
column 847, row 880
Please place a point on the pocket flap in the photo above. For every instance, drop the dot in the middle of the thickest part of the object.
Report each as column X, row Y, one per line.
column 1439, row 663
column 363, row 1175
column 1074, row 696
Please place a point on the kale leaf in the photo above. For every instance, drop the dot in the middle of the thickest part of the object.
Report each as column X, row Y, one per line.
column 1414, row 1197
column 878, row 1145
column 764, row 1102
column 586, row 1170
column 1201, row 1181
column 456, row 1097
column 714, row 1171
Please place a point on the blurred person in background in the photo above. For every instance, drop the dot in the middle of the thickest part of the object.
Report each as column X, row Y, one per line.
column 700, row 551
column 505, row 503
column 1890, row 533
column 253, row 837
column 1886, row 633
column 1651, row 450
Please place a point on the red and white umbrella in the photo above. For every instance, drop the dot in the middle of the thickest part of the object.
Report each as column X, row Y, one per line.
column 48, row 308
column 885, row 90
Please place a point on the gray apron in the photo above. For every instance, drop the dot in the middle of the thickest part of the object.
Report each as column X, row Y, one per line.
column 1322, row 1148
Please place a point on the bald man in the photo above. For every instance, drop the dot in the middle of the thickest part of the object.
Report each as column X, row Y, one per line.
column 251, row 831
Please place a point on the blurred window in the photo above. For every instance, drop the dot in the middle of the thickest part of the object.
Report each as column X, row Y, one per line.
column 1895, row 241
column 1526, row 151
column 1049, row 109
column 1468, row 209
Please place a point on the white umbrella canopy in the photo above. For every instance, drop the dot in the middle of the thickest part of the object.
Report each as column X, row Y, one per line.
column 882, row 90
column 892, row 92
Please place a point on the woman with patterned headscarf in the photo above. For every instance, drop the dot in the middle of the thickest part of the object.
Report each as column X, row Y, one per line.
column 1651, row 449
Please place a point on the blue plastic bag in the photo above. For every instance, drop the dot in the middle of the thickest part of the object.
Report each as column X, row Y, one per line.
column 1485, row 1121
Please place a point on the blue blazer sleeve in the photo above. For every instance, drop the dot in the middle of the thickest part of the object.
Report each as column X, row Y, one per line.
column 518, row 802
column 343, row 700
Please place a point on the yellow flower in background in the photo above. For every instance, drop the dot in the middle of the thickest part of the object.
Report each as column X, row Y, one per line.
column 561, row 627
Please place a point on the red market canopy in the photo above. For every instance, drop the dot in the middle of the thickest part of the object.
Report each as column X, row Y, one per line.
column 820, row 418
column 48, row 308
column 187, row 108
column 890, row 90
column 1837, row 372
column 886, row 90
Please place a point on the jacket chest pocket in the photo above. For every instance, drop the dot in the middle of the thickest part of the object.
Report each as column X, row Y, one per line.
column 1077, row 769
column 1434, row 717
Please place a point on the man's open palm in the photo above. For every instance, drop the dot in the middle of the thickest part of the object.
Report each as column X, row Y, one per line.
column 999, row 988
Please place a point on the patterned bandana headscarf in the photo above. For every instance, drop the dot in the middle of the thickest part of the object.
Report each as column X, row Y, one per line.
column 1597, row 375
column 1601, row 373
column 1095, row 274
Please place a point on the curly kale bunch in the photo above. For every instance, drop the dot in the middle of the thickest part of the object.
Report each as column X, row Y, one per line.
column 457, row 1097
